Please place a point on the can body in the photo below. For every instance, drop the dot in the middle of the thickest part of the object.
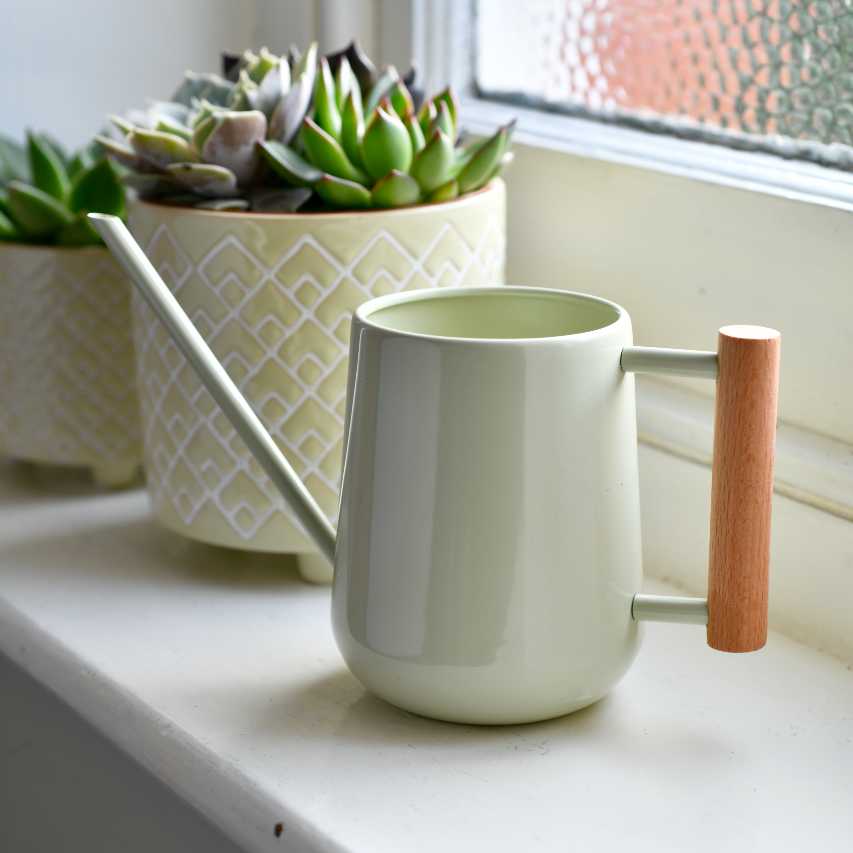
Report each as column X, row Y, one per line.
column 489, row 539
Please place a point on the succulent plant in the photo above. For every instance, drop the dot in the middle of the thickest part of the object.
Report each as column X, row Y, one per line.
column 45, row 194
column 303, row 132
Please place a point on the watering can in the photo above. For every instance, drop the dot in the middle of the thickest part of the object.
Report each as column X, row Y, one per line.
column 487, row 562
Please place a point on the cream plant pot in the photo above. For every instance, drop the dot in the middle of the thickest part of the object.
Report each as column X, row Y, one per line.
column 273, row 295
column 67, row 375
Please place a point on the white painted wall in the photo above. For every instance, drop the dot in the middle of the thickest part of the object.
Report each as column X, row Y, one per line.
column 65, row 65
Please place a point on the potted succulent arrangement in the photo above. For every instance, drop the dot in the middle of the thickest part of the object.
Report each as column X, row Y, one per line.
column 274, row 199
column 67, row 374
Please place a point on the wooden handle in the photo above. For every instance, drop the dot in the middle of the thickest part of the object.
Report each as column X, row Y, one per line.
column 742, row 487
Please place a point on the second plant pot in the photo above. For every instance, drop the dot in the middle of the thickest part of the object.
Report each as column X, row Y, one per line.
column 273, row 295
column 67, row 389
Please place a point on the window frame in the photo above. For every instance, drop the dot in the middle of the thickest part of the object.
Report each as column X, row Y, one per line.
column 443, row 45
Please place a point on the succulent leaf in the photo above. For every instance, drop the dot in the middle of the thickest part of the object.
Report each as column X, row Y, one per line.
column 381, row 88
column 465, row 154
column 361, row 65
column 202, row 130
column 78, row 232
column 223, row 204
column 484, row 162
column 81, row 161
column 169, row 109
column 401, row 100
column 294, row 55
column 7, row 228
column 160, row 149
column 119, row 152
column 288, row 116
column 396, row 189
column 203, row 111
column 210, row 87
column 307, row 64
column 352, row 129
column 409, row 79
column 326, row 112
column 287, row 200
column 346, row 83
column 286, row 163
column 244, row 96
column 427, row 115
column 386, row 145
column 233, row 143
column 54, row 145
column 35, row 212
column 264, row 63
column 327, row 154
column 48, row 173
column 14, row 164
column 338, row 192
column 415, row 132
column 206, row 179
column 434, row 165
column 446, row 192
column 169, row 125
column 446, row 96
column 97, row 189
column 273, row 88
column 443, row 122
column 121, row 124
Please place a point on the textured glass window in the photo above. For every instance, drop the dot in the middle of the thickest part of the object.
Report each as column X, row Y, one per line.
column 767, row 74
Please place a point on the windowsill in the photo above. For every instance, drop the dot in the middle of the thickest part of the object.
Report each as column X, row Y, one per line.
column 217, row 672
column 748, row 170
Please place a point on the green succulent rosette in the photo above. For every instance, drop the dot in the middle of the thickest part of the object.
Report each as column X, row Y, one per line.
column 45, row 193
column 303, row 132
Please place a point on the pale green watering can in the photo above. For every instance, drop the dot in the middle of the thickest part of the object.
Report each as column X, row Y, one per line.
column 488, row 562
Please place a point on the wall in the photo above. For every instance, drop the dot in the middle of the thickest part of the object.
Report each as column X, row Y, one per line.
column 66, row 65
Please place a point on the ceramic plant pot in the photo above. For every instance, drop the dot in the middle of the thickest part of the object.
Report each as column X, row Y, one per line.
column 273, row 295
column 67, row 375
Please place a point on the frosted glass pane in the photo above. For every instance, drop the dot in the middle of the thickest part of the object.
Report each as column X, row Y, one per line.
column 766, row 73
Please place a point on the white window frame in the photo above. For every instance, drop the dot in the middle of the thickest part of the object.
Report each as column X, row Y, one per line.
column 442, row 43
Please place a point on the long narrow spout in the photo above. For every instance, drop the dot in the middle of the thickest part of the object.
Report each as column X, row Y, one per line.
column 214, row 377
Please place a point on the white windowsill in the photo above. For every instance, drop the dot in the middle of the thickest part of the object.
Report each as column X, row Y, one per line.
column 217, row 672
column 759, row 172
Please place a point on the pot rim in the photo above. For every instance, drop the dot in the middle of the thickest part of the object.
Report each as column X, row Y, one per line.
column 469, row 198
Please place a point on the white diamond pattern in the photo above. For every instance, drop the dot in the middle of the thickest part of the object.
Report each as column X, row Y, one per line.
column 67, row 374
column 275, row 305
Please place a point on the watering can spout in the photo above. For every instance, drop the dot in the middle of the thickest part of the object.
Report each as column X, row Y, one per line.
column 214, row 377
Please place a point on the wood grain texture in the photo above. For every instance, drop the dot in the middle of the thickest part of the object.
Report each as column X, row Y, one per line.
column 742, row 487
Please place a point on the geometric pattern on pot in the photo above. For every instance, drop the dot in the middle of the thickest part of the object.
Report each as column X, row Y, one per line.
column 273, row 295
column 67, row 374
